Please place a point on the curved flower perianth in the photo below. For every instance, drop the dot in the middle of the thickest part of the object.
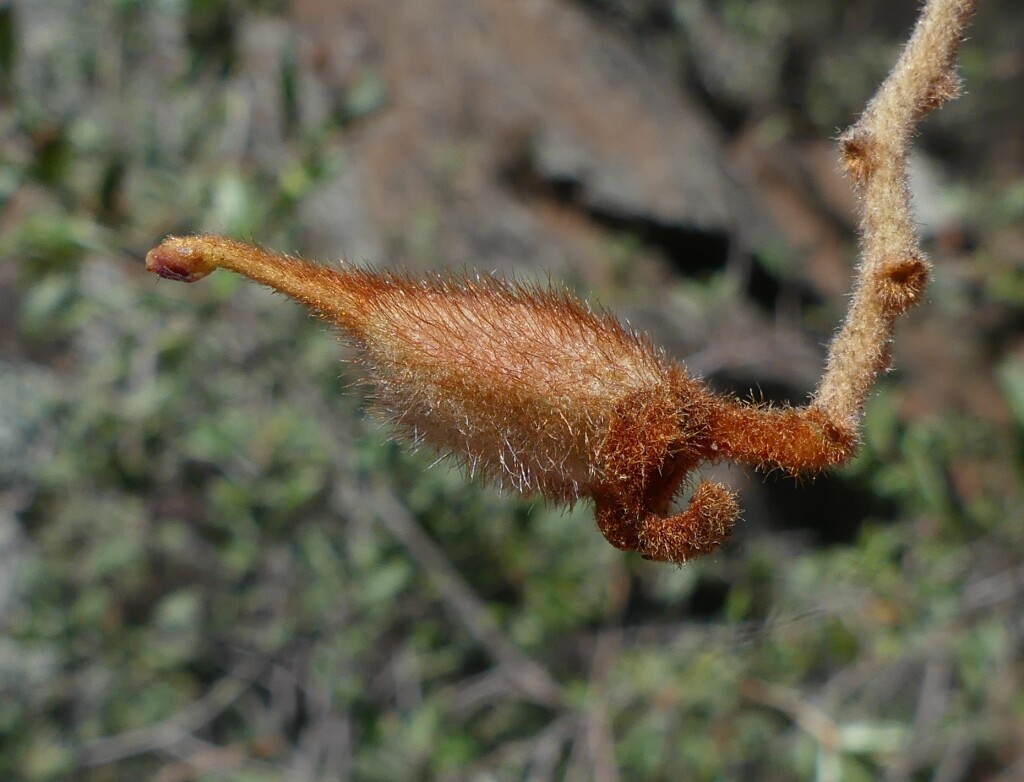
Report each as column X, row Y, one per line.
column 534, row 390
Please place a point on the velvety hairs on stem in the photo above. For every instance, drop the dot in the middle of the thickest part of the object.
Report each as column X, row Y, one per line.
column 536, row 391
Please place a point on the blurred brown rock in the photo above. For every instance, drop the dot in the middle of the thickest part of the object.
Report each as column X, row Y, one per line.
column 499, row 117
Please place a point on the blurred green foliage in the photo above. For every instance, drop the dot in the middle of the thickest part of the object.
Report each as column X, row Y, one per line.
column 203, row 568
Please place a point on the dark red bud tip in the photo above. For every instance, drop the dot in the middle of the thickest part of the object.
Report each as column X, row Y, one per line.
column 175, row 259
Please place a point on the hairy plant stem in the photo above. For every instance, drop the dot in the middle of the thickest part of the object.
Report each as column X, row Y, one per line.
column 893, row 271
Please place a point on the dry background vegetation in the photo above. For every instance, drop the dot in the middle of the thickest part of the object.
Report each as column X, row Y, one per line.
column 213, row 565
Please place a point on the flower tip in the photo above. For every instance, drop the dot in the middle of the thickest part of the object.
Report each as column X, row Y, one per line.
column 178, row 259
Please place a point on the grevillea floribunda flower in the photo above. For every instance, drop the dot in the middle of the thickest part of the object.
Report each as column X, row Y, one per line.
column 533, row 389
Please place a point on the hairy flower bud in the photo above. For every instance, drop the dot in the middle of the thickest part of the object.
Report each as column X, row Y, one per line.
column 534, row 390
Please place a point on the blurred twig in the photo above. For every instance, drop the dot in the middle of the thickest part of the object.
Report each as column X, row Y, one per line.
column 992, row 590
column 540, row 754
column 594, row 740
column 468, row 609
column 955, row 763
column 547, row 748
column 812, row 720
column 197, row 759
column 164, row 735
column 932, row 705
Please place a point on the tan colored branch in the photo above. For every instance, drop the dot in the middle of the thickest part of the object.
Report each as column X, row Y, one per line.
column 893, row 270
